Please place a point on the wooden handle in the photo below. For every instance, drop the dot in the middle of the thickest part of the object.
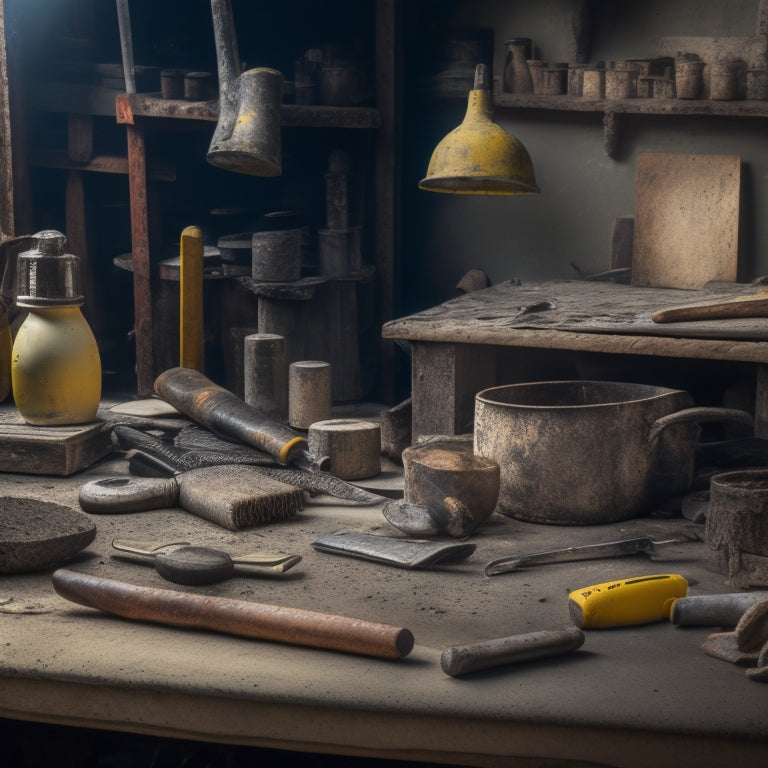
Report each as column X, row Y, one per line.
column 717, row 311
column 462, row 659
column 235, row 617
column 191, row 332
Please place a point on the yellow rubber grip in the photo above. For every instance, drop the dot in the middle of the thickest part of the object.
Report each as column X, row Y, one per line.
column 639, row 600
column 286, row 449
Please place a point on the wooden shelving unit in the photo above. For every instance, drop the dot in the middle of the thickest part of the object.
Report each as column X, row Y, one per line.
column 136, row 111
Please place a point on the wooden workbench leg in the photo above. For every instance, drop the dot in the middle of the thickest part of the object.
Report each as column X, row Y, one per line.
column 761, row 401
column 444, row 381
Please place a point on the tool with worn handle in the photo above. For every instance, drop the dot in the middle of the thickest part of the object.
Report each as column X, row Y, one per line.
column 639, row 546
column 462, row 659
column 126, row 45
column 235, row 617
column 626, row 602
column 247, row 135
column 225, row 413
column 182, row 563
column 720, row 310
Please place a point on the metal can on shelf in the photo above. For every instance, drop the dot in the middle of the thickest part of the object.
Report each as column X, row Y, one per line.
column 620, row 83
column 689, row 77
column 726, row 77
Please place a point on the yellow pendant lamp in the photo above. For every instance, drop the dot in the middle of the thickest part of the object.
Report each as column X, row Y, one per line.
column 479, row 157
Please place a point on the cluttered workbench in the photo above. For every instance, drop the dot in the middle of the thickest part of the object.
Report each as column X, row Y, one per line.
column 456, row 346
column 629, row 696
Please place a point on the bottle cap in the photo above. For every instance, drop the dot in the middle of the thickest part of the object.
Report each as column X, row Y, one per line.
column 49, row 277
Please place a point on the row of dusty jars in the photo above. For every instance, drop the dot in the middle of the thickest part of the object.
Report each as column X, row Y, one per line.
column 686, row 77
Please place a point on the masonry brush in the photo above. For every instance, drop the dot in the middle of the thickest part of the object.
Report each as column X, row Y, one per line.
column 233, row 496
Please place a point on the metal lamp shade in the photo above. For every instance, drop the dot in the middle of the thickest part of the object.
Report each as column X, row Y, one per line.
column 479, row 157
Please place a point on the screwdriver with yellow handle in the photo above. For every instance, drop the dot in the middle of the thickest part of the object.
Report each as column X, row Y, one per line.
column 625, row 602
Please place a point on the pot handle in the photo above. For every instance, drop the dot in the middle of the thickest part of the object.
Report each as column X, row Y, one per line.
column 702, row 413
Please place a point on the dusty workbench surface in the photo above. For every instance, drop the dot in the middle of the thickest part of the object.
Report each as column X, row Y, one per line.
column 630, row 697
column 592, row 315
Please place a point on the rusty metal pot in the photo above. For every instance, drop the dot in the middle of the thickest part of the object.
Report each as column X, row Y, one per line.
column 586, row 452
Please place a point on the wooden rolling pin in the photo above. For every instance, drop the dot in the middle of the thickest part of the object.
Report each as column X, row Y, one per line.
column 235, row 617
column 721, row 310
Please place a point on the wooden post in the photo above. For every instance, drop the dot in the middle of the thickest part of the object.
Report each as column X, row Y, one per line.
column 388, row 78
column 142, row 274
column 445, row 379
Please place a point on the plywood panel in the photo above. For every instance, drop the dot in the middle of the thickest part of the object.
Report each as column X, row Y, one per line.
column 686, row 220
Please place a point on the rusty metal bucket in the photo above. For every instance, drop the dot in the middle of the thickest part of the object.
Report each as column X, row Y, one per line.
column 587, row 452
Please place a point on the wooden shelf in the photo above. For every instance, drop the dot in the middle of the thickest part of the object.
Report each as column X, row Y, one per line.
column 95, row 100
column 636, row 106
column 611, row 108
column 292, row 115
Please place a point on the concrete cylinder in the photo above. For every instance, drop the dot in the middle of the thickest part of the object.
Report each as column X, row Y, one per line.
column 309, row 393
column 265, row 366
column 276, row 255
column 353, row 447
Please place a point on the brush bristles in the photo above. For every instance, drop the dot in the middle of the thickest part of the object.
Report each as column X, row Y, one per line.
column 238, row 496
column 269, row 509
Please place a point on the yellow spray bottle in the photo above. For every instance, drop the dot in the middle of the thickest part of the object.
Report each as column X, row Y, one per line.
column 55, row 362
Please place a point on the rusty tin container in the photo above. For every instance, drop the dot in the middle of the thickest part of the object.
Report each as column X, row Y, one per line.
column 586, row 452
